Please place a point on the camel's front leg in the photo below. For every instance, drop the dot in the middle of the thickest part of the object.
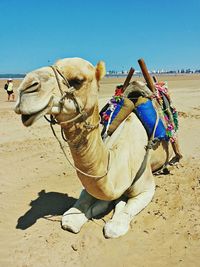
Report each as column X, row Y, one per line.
column 142, row 192
column 85, row 208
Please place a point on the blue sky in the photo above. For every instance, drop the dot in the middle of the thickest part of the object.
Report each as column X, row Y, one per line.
column 35, row 33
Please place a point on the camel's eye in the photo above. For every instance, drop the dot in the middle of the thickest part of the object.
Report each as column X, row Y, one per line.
column 76, row 82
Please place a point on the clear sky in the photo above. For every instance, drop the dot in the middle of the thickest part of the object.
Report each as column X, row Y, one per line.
column 35, row 33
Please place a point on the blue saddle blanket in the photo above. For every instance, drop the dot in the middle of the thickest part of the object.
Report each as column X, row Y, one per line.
column 147, row 115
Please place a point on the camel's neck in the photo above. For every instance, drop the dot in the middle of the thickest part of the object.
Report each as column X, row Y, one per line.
column 86, row 145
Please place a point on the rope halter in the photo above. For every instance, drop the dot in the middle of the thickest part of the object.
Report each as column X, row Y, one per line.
column 68, row 93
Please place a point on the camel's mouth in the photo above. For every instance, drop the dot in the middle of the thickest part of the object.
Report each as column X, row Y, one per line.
column 28, row 120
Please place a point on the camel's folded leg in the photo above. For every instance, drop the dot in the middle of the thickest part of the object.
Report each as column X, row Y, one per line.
column 143, row 192
column 85, row 208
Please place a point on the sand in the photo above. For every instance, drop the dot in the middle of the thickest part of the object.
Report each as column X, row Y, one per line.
column 37, row 185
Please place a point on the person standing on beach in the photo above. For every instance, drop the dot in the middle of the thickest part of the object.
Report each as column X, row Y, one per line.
column 9, row 88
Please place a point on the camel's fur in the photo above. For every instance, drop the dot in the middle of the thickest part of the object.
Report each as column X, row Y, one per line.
column 39, row 92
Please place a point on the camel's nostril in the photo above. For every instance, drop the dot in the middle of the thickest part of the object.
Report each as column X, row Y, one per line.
column 32, row 88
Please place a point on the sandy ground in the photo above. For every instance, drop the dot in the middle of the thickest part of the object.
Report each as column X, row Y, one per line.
column 37, row 185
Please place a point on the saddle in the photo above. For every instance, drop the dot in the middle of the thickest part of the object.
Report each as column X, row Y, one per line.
column 147, row 105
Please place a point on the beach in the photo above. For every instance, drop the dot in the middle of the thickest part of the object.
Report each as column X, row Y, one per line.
column 38, row 186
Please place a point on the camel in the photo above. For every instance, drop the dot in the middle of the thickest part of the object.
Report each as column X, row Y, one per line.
column 69, row 92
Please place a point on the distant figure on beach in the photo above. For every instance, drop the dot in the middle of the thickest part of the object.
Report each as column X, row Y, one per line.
column 9, row 88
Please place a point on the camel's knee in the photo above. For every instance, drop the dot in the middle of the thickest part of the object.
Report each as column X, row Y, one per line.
column 124, row 214
column 139, row 196
column 139, row 202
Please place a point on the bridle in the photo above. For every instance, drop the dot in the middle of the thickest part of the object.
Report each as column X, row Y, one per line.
column 68, row 93
column 81, row 116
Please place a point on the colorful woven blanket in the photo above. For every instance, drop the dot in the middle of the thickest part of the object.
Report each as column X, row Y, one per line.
column 114, row 106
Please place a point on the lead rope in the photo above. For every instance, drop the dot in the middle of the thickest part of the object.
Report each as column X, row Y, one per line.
column 73, row 166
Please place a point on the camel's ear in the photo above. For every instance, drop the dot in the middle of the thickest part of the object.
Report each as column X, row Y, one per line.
column 100, row 70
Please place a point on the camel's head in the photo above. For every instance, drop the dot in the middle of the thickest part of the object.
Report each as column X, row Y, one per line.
column 39, row 92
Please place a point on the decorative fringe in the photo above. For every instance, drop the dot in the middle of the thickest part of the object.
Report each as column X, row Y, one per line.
column 169, row 112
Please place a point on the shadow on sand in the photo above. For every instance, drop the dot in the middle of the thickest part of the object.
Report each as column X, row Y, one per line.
column 47, row 203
